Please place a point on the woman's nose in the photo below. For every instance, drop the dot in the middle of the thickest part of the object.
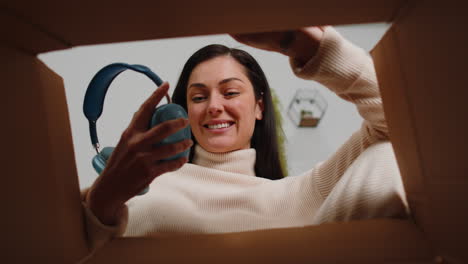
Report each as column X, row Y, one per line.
column 215, row 106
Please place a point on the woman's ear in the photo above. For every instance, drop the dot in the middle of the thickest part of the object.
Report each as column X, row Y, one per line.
column 259, row 109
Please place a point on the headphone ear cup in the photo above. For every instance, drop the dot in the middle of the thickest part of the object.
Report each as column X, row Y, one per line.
column 168, row 112
column 99, row 161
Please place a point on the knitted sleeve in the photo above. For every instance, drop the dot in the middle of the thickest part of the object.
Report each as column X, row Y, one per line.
column 349, row 72
column 97, row 232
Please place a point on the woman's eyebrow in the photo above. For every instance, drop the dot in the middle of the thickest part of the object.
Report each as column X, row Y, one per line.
column 197, row 85
column 201, row 85
column 230, row 79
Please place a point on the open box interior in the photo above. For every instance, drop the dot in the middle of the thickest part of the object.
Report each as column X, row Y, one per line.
column 419, row 62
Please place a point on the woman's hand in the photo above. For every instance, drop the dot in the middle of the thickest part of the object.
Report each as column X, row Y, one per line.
column 301, row 44
column 135, row 162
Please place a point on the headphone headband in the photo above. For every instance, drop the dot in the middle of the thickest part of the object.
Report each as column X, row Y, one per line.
column 97, row 89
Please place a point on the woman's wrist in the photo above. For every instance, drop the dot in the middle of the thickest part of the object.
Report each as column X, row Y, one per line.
column 106, row 212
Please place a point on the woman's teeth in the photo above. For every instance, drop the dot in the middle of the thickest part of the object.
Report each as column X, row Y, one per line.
column 217, row 126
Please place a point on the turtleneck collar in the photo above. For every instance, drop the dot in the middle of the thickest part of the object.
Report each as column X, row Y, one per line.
column 239, row 161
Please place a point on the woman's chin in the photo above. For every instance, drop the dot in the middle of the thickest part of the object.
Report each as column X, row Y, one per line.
column 219, row 147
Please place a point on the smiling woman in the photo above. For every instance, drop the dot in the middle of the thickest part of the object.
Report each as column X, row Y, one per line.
column 230, row 107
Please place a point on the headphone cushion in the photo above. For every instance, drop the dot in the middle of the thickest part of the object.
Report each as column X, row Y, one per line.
column 168, row 112
column 99, row 161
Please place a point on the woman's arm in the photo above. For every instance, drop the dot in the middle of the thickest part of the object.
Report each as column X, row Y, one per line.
column 133, row 165
column 349, row 72
column 323, row 55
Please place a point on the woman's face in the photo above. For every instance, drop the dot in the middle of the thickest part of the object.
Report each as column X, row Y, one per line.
column 221, row 105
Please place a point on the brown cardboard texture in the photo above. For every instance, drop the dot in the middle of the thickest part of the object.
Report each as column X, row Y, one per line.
column 424, row 99
column 419, row 65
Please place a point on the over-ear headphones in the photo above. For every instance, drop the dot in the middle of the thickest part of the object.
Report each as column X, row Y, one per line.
column 94, row 103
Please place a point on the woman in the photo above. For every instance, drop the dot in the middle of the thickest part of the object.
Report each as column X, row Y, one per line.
column 231, row 117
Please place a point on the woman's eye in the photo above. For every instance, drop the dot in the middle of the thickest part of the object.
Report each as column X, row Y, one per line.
column 231, row 94
column 197, row 99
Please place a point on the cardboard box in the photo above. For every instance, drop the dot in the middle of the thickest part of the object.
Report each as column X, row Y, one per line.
column 420, row 64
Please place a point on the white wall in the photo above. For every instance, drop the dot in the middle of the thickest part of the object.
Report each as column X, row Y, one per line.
column 77, row 66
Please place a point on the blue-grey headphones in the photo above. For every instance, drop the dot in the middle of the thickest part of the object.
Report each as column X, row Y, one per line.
column 94, row 103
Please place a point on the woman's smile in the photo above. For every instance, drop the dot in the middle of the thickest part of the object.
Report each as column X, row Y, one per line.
column 218, row 126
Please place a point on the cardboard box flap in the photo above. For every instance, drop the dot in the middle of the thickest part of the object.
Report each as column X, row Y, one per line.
column 384, row 241
column 93, row 22
column 19, row 32
column 42, row 210
column 421, row 65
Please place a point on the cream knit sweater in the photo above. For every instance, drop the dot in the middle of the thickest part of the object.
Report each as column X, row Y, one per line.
column 219, row 192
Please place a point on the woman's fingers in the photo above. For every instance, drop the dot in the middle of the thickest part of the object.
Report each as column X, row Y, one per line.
column 304, row 41
column 161, row 131
column 149, row 159
column 166, row 166
column 148, row 165
column 166, row 151
column 143, row 115
column 262, row 40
